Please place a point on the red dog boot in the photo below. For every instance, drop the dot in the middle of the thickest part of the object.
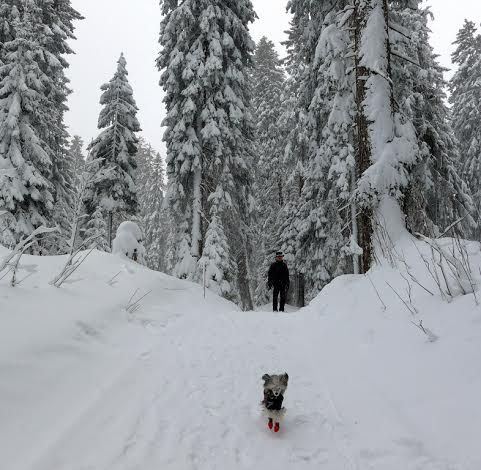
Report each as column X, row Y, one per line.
column 276, row 427
column 270, row 423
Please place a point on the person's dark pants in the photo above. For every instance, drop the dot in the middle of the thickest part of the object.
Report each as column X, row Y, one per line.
column 282, row 291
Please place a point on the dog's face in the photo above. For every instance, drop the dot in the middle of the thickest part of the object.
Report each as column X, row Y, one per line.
column 277, row 384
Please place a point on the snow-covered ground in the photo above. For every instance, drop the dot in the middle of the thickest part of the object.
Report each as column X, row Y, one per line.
column 177, row 384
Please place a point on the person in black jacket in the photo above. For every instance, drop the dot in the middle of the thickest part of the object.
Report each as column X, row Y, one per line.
column 278, row 278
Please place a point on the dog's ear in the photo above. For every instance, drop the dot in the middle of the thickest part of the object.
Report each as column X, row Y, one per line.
column 266, row 378
column 285, row 379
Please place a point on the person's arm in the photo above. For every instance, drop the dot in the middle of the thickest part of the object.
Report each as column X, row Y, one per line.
column 269, row 277
column 287, row 280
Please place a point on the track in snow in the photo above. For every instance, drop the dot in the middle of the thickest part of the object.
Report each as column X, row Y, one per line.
column 184, row 394
column 192, row 402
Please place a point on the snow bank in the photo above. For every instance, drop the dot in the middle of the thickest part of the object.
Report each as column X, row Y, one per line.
column 402, row 360
column 62, row 349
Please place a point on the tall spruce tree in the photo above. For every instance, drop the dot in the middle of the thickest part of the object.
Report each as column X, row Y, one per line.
column 153, row 215
column 205, row 56
column 293, row 116
column 55, row 22
column 465, row 98
column 325, row 241
column 381, row 131
column 268, row 82
column 58, row 16
column 96, row 230
column 386, row 144
column 436, row 196
column 77, row 158
column 315, row 221
column 114, row 188
column 157, row 224
column 25, row 155
column 268, row 95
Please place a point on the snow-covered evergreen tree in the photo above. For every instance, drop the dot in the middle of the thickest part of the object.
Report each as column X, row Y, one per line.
column 437, row 196
column 324, row 238
column 343, row 153
column 114, row 189
column 217, row 261
column 72, row 167
column 77, row 157
column 153, row 214
column 157, row 221
column 25, row 156
column 269, row 93
column 9, row 11
column 54, row 28
column 206, row 52
column 314, row 224
column 465, row 98
column 58, row 17
column 96, row 231
column 386, row 142
column 293, row 118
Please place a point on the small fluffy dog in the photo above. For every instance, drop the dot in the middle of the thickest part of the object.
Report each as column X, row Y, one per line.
column 275, row 387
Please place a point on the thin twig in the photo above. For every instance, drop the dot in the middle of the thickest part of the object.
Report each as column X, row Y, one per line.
column 402, row 300
column 133, row 307
column 133, row 295
column 452, row 226
column 26, row 277
column 414, row 279
column 432, row 337
column 377, row 293
column 111, row 282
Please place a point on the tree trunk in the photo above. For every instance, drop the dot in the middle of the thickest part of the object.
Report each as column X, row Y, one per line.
column 197, row 235
column 243, row 281
column 355, row 229
column 110, row 218
column 197, row 214
column 367, row 93
column 363, row 146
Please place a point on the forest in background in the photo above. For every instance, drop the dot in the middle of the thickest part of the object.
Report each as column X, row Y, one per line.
column 263, row 154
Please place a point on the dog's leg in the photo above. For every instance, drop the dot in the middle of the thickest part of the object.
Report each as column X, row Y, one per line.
column 270, row 423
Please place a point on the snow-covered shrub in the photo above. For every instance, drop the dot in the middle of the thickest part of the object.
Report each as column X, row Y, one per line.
column 128, row 242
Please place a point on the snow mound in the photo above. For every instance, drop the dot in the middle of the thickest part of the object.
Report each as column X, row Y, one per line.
column 128, row 241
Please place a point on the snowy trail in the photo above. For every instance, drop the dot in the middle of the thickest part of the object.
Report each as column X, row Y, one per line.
column 192, row 402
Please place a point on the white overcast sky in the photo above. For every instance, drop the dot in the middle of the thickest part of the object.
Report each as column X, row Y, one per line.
column 131, row 26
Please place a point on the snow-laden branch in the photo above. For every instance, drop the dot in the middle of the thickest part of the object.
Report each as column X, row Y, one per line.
column 24, row 245
column 400, row 30
column 404, row 57
column 11, row 262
